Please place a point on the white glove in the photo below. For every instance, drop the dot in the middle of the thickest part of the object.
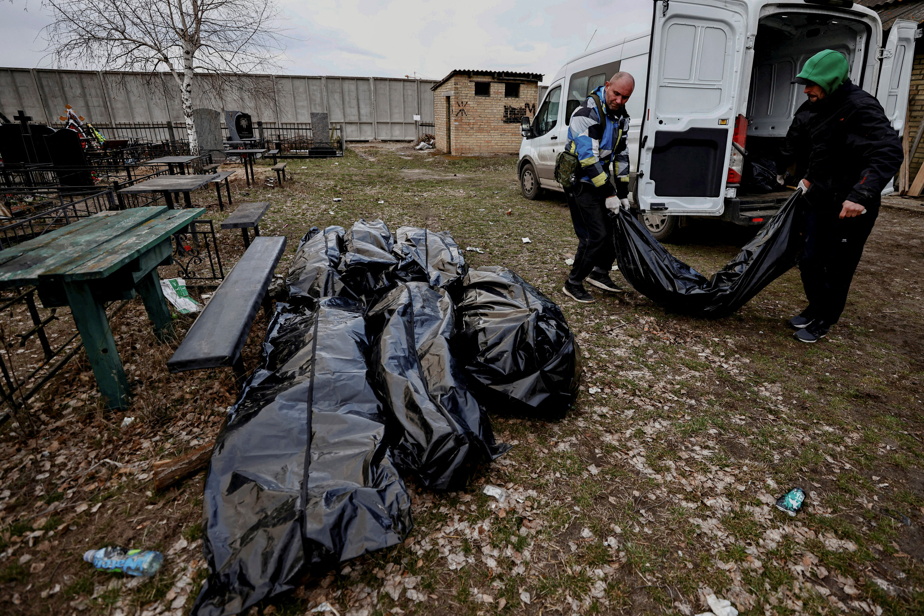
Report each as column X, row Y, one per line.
column 804, row 186
column 781, row 180
column 612, row 203
column 625, row 204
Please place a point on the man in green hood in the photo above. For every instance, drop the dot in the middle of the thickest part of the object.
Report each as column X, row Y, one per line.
column 846, row 152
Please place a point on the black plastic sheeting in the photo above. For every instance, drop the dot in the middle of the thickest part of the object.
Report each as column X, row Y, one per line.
column 677, row 287
column 445, row 436
column 372, row 368
column 300, row 473
column 522, row 356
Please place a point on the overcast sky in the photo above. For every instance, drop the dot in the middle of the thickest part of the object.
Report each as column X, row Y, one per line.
column 394, row 38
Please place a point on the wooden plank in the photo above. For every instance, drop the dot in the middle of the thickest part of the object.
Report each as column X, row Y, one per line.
column 220, row 331
column 246, row 215
column 71, row 248
column 918, row 184
column 168, row 472
column 20, row 249
column 117, row 251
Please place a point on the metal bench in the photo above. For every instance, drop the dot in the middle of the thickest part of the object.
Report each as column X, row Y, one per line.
column 217, row 336
column 247, row 216
column 220, row 177
column 280, row 170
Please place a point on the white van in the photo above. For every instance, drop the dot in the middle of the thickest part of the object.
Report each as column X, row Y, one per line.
column 713, row 94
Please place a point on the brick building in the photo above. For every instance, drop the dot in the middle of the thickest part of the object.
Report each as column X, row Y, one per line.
column 478, row 112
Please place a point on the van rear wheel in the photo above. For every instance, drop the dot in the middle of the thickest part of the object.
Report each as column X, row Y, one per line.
column 661, row 226
column 529, row 182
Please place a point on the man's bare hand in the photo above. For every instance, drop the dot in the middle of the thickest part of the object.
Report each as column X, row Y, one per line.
column 851, row 209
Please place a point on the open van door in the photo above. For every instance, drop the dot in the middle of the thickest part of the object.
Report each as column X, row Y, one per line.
column 895, row 74
column 696, row 59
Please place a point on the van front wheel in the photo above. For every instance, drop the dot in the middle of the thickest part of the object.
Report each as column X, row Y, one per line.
column 529, row 182
column 661, row 226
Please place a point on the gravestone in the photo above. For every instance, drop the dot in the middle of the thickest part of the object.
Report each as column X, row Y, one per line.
column 208, row 132
column 240, row 128
column 68, row 158
column 320, row 129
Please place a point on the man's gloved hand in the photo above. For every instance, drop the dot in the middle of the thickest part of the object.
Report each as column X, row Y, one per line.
column 804, row 185
column 612, row 203
column 624, row 202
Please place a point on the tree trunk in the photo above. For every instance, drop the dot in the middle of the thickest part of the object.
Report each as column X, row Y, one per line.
column 186, row 95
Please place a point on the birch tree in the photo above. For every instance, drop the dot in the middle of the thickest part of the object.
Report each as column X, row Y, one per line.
column 183, row 37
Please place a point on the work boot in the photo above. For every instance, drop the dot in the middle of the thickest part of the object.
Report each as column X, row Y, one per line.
column 577, row 292
column 602, row 280
column 811, row 333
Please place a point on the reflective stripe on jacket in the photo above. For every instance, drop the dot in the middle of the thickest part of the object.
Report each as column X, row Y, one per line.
column 600, row 147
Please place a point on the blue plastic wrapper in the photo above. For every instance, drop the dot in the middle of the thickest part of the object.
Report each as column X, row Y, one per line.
column 679, row 288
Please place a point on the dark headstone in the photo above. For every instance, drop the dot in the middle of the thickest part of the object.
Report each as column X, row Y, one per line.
column 243, row 126
column 68, row 158
column 240, row 128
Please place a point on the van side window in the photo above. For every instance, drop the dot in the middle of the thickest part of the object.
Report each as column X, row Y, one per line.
column 547, row 116
column 581, row 87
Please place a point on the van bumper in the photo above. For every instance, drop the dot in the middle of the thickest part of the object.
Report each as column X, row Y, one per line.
column 754, row 209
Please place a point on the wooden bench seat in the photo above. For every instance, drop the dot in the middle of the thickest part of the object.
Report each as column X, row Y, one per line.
column 220, row 177
column 217, row 336
column 280, row 170
column 247, row 216
column 210, row 168
column 273, row 154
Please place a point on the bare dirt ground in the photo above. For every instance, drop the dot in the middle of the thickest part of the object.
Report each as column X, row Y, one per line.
column 655, row 492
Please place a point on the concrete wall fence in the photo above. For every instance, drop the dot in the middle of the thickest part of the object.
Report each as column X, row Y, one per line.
column 368, row 108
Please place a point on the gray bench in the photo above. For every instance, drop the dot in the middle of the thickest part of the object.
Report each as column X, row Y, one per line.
column 217, row 180
column 217, row 337
column 210, row 168
column 273, row 154
column 280, row 170
column 247, row 216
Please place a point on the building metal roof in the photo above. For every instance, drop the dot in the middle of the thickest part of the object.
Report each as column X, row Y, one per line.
column 496, row 75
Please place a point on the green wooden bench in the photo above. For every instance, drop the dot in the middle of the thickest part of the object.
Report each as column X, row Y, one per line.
column 217, row 337
column 247, row 216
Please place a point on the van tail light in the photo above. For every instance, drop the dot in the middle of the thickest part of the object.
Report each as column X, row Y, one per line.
column 736, row 161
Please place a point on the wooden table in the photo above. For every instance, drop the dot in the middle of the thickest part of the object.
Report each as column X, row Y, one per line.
column 168, row 184
column 174, row 163
column 107, row 257
column 247, row 155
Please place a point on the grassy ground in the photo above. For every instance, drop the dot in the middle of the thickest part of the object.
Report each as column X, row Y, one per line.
column 655, row 492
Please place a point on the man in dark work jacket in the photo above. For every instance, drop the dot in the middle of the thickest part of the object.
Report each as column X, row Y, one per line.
column 846, row 151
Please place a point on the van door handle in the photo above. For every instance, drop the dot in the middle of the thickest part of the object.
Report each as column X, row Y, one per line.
column 553, row 137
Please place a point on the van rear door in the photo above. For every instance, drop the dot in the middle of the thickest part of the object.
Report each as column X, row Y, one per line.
column 895, row 74
column 696, row 63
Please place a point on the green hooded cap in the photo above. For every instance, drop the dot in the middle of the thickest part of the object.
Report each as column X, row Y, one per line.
column 826, row 68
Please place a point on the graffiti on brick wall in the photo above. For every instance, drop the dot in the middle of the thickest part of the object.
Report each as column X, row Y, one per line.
column 460, row 112
column 512, row 115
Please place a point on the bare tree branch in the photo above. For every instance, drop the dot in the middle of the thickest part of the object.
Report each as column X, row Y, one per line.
column 183, row 37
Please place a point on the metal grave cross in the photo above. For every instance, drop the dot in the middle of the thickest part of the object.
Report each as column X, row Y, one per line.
column 23, row 119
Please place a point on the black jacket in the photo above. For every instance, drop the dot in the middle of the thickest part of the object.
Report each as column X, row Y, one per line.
column 845, row 146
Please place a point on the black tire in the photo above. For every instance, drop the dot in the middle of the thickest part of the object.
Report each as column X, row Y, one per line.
column 529, row 182
column 661, row 226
